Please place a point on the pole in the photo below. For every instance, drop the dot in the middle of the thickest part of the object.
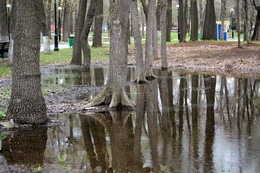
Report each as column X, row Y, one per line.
column 56, row 46
column 59, row 22
column 232, row 24
column 178, row 16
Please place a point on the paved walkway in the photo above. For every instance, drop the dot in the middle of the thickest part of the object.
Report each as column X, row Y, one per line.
column 66, row 45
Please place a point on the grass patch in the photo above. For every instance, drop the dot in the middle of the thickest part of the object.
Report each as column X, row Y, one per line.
column 4, row 70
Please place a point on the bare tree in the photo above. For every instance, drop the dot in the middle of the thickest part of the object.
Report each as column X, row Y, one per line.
column 238, row 23
column 149, row 55
column 77, row 55
column 209, row 30
column 256, row 34
column 85, row 33
column 27, row 104
column 169, row 21
column 140, row 75
column 194, row 20
column 46, row 39
column 164, row 6
column 113, row 94
column 97, row 40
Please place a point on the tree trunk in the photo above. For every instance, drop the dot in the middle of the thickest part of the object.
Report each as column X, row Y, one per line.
column 246, row 23
column 256, row 34
column 194, row 21
column 85, row 33
column 209, row 30
column 164, row 6
column 27, row 104
column 97, row 40
column 201, row 16
column 181, row 21
column 155, row 39
column 46, row 40
column 149, row 56
column 185, row 16
column 169, row 21
column 66, row 21
column 114, row 93
column 4, row 33
column 48, row 18
column 140, row 77
column 238, row 24
column 77, row 55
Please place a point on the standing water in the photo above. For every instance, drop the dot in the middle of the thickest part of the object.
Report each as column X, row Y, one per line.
column 183, row 123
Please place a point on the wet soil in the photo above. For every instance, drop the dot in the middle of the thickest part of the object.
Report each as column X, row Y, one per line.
column 213, row 57
column 197, row 57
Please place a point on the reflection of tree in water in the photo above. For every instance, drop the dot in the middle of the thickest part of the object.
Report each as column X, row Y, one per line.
column 210, row 84
column 94, row 139
column 25, row 147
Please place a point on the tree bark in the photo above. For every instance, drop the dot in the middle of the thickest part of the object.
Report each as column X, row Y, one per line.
column 169, row 21
column 246, row 23
column 238, row 24
column 48, row 17
column 77, row 55
column 66, row 21
column 97, row 40
column 164, row 6
column 209, row 30
column 85, row 33
column 194, row 21
column 27, row 104
column 114, row 93
column 256, row 33
column 140, row 75
column 181, row 21
column 149, row 56
column 4, row 33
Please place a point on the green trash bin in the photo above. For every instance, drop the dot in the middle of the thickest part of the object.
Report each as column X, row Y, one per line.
column 71, row 41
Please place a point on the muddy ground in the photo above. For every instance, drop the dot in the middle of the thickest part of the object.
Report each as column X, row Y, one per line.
column 202, row 57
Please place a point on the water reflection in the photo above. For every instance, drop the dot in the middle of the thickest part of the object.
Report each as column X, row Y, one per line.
column 184, row 123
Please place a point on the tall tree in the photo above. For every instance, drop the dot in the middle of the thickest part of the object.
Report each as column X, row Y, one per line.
column 140, row 74
column 46, row 39
column 209, row 30
column 27, row 104
column 256, row 34
column 238, row 23
column 114, row 93
column 85, row 33
column 149, row 55
column 97, row 40
column 169, row 21
column 4, row 33
column 246, row 21
column 77, row 55
column 194, row 20
column 66, row 20
column 164, row 6
column 181, row 21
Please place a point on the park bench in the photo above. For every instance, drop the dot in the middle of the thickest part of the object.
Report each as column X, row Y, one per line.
column 4, row 47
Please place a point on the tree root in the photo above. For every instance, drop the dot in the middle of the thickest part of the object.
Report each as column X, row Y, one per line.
column 117, row 101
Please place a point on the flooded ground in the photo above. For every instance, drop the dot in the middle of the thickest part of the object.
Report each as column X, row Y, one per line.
column 183, row 123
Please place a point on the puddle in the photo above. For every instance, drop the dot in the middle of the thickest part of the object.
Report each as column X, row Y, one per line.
column 184, row 123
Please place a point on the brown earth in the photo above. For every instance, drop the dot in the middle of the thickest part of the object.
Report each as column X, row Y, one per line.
column 212, row 57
